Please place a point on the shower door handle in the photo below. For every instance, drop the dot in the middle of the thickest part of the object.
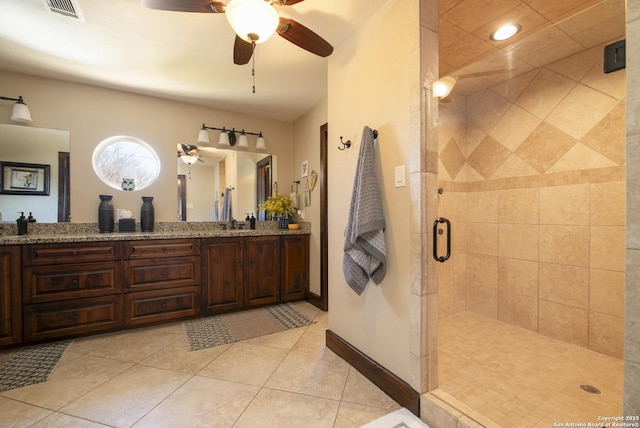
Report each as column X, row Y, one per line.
column 437, row 232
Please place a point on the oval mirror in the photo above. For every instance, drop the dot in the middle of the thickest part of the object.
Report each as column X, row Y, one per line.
column 121, row 158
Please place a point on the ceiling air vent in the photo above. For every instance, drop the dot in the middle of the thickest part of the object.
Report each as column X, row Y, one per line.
column 64, row 7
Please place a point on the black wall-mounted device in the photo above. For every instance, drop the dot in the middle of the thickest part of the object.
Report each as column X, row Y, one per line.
column 614, row 56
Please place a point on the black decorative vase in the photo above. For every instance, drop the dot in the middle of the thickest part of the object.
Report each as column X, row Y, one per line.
column 146, row 214
column 284, row 221
column 105, row 214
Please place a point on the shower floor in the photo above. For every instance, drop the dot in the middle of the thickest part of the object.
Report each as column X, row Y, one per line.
column 502, row 375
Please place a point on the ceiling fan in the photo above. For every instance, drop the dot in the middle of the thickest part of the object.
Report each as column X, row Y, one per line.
column 253, row 21
column 189, row 153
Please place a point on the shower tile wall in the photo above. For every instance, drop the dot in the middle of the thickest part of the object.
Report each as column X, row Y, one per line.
column 533, row 177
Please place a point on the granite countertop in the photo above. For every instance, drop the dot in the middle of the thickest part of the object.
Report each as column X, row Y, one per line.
column 47, row 233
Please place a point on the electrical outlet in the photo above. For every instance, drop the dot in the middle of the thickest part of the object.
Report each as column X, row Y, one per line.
column 190, row 206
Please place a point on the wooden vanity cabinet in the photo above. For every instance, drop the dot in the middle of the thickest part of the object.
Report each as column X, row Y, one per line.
column 61, row 290
column 262, row 270
column 71, row 289
column 10, row 302
column 294, row 267
column 161, row 280
column 222, row 274
column 243, row 272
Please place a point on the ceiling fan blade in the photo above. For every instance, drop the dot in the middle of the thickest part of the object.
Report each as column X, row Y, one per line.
column 201, row 6
column 242, row 51
column 286, row 2
column 301, row 36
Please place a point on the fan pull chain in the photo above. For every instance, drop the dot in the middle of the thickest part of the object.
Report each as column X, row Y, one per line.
column 253, row 65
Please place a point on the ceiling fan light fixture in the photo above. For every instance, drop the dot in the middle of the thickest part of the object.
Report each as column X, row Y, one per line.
column 252, row 20
column 505, row 32
column 189, row 159
column 442, row 87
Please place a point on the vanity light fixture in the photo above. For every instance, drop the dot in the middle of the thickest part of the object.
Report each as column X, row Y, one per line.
column 505, row 32
column 243, row 143
column 260, row 143
column 229, row 138
column 442, row 87
column 20, row 112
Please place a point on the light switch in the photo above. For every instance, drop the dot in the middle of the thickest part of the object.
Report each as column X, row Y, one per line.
column 190, row 206
column 400, row 181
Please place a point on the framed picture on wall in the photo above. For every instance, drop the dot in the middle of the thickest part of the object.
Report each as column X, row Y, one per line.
column 305, row 169
column 24, row 178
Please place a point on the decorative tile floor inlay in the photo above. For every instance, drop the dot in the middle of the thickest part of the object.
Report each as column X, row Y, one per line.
column 31, row 365
column 228, row 328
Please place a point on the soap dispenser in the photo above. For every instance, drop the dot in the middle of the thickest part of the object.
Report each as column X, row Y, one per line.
column 31, row 218
column 252, row 222
column 22, row 224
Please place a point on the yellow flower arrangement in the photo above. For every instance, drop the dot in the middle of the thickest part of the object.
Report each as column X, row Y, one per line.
column 278, row 204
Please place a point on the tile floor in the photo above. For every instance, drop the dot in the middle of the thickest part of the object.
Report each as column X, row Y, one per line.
column 147, row 378
column 506, row 376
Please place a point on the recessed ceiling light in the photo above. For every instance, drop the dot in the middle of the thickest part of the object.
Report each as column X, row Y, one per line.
column 505, row 32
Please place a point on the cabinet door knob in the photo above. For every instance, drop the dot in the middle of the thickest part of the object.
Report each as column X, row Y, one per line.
column 163, row 273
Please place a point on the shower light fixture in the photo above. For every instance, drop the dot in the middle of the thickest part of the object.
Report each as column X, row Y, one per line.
column 442, row 87
column 505, row 32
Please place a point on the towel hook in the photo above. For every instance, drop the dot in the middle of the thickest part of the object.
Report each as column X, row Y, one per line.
column 345, row 144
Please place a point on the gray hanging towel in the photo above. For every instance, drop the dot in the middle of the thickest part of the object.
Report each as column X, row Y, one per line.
column 364, row 247
column 226, row 214
column 215, row 216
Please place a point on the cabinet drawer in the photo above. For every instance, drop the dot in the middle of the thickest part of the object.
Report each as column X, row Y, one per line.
column 71, row 318
column 162, row 248
column 154, row 306
column 47, row 254
column 140, row 275
column 60, row 282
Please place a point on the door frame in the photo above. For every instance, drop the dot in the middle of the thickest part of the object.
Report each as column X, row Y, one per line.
column 324, row 220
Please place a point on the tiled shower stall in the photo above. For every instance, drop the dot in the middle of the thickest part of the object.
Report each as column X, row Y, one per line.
column 532, row 178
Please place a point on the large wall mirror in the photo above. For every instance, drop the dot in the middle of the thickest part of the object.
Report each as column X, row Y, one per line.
column 246, row 177
column 42, row 155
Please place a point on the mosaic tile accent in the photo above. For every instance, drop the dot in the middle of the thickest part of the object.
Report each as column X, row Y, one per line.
column 219, row 330
column 31, row 365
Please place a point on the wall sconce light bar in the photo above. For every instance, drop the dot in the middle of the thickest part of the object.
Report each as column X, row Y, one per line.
column 229, row 138
column 20, row 112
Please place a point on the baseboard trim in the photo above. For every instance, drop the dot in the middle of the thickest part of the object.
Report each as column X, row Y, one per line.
column 391, row 384
column 315, row 300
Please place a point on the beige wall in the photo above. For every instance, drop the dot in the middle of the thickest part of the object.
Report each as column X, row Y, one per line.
column 374, row 81
column 533, row 172
column 306, row 146
column 632, row 314
column 92, row 114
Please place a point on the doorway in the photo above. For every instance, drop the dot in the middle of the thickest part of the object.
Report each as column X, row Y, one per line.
column 263, row 187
